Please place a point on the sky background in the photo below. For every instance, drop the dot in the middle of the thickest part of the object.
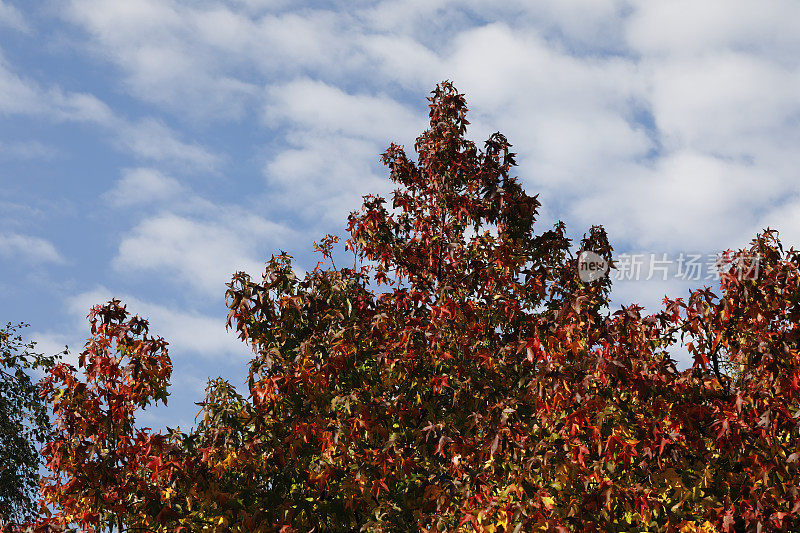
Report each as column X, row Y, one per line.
column 151, row 148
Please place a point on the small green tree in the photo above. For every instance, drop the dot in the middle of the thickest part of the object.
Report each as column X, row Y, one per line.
column 24, row 423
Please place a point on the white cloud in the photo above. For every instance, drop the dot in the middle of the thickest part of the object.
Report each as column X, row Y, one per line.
column 52, row 343
column 28, row 249
column 187, row 332
column 674, row 123
column 570, row 113
column 732, row 104
column 570, row 119
column 147, row 138
column 587, row 24
column 687, row 201
column 143, row 186
column 23, row 96
column 413, row 17
column 151, row 139
column 12, row 18
column 336, row 140
column 785, row 217
column 258, row 5
column 27, row 150
column 201, row 59
column 79, row 107
column 403, row 59
column 317, row 106
column 687, row 28
column 17, row 95
column 202, row 253
column 584, row 26
column 650, row 293
column 324, row 178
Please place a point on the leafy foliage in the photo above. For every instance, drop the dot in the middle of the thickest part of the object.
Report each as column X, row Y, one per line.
column 24, row 424
column 459, row 377
column 103, row 467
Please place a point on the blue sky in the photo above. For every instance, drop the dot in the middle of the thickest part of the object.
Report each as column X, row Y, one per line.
column 150, row 148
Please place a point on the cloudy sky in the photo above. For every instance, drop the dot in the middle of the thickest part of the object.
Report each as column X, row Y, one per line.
column 150, row 148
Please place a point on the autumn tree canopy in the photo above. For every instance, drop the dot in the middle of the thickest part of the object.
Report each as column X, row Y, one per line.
column 458, row 376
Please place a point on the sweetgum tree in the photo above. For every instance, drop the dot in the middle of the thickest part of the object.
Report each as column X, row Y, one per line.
column 459, row 377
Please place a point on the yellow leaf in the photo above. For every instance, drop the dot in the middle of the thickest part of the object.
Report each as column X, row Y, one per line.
column 694, row 527
column 548, row 502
